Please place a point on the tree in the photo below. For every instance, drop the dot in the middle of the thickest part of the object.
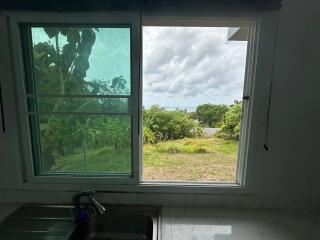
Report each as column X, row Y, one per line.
column 161, row 125
column 231, row 122
column 211, row 115
column 60, row 65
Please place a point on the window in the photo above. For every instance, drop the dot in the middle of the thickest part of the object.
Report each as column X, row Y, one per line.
column 193, row 85
column 91, row 89
column 78, row 92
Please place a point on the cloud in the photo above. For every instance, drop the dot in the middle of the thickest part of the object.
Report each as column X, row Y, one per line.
column 191, row 66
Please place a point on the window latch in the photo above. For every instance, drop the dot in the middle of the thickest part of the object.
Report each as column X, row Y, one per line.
column 245, row 97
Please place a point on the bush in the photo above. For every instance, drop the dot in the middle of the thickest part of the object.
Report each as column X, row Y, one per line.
column 210, row 115
column 161, row 125
column 195, row 149
column 168, row 149
column 231, row 122
column 173, row 148
column 148, row 135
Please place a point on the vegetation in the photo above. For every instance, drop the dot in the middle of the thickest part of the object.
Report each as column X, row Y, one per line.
column 162, row 125
column 231, row 122
column 60, row 66
column 174, row 148
column 191, row 159
column 211, row 115
column 102, row 160
column 188, row 159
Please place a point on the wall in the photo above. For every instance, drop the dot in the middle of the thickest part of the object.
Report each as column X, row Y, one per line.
column 289, row 172
column 286, row 176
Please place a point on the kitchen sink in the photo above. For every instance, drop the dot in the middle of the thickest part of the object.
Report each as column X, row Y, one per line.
column 56, row 222
column 115, row 227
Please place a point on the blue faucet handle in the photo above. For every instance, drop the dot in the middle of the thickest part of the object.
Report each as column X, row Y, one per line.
column 83, row 216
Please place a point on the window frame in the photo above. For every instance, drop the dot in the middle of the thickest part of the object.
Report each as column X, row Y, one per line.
column 111, row 19
column 261, row 67
column 26, row 32
column 191, row 21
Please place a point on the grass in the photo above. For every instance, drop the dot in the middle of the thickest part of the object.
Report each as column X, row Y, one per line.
column 103, row 160
column 202, row 159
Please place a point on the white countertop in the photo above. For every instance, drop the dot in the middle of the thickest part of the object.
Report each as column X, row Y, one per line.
column 231, row 224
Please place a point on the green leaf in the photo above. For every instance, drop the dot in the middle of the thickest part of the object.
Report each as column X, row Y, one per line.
column 51, row 31
column 73, row 35
column 64, row 31
column 68, row 54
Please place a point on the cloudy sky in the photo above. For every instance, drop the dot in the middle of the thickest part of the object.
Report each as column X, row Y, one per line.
column 188, row 66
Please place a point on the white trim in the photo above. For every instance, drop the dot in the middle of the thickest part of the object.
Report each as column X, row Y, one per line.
column 196, row 21
column 247, row 104
column 114, row 18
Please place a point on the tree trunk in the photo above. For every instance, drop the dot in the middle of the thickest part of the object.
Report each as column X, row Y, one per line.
column 84, row 148
column 61, row 80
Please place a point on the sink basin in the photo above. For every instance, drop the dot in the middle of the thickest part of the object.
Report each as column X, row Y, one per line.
column 115, row 227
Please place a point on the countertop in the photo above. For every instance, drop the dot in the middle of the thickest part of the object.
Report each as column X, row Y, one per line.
column 238, row 224
column 230, row 224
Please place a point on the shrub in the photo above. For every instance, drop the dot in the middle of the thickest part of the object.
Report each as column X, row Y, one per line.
column 188, row 143
column 148, row 135
column 168, row 149
column 168, row 125
column 210, row 115
column 180, row 148
column 195, row 149
column 231, row 122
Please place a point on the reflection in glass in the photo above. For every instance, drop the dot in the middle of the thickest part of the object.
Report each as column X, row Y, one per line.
column 91, row 144
column 81, row 60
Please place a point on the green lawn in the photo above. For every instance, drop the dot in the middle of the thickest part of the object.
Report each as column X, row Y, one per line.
column 202, row 159
column 98, row 161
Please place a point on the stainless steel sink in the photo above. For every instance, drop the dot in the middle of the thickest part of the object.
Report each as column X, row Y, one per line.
column 115, row 227
column 55, row 222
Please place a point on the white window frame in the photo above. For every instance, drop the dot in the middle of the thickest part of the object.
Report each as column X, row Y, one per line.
column 234, row 22
column 259, row 65
column 115, row 18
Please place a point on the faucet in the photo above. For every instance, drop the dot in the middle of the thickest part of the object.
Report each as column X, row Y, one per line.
column 90, row 195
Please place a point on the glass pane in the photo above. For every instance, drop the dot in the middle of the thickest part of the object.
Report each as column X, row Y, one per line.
column 86, row 105
column 83, row 144
column 81, row 60
column 193, row 80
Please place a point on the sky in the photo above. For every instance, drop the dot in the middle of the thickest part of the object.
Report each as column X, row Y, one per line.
column 188, row 66
column 110, row 54
column 182, row 66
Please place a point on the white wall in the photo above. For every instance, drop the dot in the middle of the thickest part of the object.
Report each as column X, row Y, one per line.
column 289, row 172
column 286, row 176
